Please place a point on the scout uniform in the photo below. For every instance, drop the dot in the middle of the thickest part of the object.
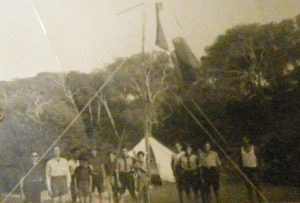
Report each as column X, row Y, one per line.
column 211, row 177
column 189, row 164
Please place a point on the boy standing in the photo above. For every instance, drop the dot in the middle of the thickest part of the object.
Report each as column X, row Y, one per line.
column 125, row 168
column 211, row 177
column 58, row 177
column 177, row 170
column 110, row 169
column 32, row 184
column 83, row 180
column 189, row 164
column 142, row 177
column 97, row 182
column 250, row 169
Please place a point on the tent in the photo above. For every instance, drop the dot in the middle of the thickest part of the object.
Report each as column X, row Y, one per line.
column 162, row 157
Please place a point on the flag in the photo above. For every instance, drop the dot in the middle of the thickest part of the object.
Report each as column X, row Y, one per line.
column 160, row 36
column 185, row 60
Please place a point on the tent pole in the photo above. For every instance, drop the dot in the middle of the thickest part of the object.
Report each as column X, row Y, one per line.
column 148, row 152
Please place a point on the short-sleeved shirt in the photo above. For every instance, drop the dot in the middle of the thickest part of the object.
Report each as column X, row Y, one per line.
column 82, row 174
column 125, row 164
column 189, row 162
column 96, row 163
column 57, row 168
column 211, row 159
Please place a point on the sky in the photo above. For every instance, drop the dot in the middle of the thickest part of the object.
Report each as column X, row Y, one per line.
column 84, row 35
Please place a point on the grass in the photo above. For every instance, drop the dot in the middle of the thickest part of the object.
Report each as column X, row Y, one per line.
column 232, row 191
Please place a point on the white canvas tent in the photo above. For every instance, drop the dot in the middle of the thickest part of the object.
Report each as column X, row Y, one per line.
column 162, row 156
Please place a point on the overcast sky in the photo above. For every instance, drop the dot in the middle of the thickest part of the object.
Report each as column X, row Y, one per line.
column 86, row 34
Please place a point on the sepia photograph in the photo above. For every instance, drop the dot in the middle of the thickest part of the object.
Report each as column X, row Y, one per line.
column 150, row 101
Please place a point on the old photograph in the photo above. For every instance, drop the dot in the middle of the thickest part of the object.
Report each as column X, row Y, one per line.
column 149, row 101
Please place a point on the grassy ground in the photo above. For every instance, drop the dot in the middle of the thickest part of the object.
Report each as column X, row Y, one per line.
column 231, row 192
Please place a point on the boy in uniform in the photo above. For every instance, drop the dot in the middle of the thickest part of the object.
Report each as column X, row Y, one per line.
column 211, row 177
column 189, row 164
column 125, row 168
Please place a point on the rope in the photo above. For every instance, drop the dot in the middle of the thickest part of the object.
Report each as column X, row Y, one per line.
column 209, row 121
column 225, row 153
column 111, row 118
column 68, row 127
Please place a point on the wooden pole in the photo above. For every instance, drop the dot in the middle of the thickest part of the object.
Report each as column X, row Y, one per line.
column 143, row 29
column 148, row 151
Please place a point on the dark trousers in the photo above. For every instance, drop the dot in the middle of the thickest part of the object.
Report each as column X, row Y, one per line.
column 179, row 179
column 127, row 182
column 211, row 178
column 73, row 189
column 191, row 182
column 252, row 174
column 32, row 192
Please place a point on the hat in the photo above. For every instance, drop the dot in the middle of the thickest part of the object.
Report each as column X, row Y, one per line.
column 34, row 154
column 140, row 153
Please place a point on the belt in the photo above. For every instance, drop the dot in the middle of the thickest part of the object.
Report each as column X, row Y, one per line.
column 54, row 177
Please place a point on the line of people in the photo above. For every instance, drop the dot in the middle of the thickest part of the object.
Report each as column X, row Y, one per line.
column 198, row 171
column 87, row 176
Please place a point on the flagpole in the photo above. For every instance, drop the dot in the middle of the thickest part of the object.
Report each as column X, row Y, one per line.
column 143, row 29
column 147, row 113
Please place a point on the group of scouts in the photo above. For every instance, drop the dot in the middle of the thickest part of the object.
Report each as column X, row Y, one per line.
column 86, row 175
column 198, row 171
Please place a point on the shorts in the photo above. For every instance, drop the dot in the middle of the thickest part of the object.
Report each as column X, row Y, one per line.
column 127, row 182
column 83, row 189
column 59, row 186
column 191, row 180
column 97, row 183
column 211, row 177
